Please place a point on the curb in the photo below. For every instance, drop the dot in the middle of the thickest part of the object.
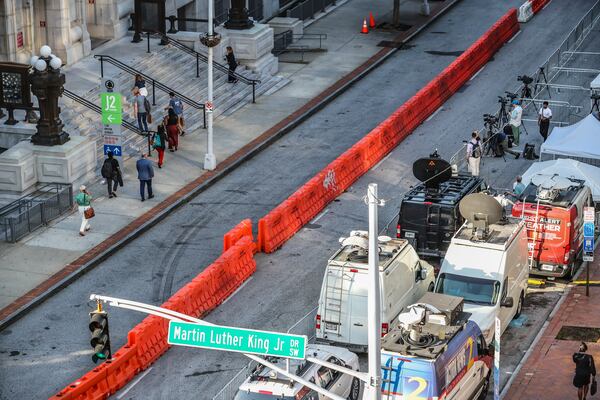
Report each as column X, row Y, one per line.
column 105, row 249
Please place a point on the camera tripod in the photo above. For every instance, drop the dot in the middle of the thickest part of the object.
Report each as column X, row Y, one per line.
column 538, row 81
column 595, row 104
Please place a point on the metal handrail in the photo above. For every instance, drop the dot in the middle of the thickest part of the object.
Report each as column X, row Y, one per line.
column 200, row 56
column 97, row 109
column 155, row 83
column 298, row 36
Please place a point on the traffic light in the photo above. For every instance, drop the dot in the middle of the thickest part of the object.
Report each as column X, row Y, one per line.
column 100, row 336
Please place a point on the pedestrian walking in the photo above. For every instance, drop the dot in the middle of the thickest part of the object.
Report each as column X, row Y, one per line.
column 176, row 105
column 140, row 84
column 544, row 117
column 171, row 123
column 159, row 141
column 515, row 121
column 141, row 108
column 230, row 58
column 112, row 173
column 84, row 206
column 474, row 153
column 518, row 186
column 584, row 369
column 145, row 175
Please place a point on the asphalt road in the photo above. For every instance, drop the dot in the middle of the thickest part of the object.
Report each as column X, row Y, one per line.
column 49, row 348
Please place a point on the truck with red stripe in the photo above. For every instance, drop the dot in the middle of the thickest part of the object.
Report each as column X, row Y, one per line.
column 552, row 207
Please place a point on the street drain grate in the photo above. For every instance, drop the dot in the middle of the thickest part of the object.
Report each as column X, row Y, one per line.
column 579, row 334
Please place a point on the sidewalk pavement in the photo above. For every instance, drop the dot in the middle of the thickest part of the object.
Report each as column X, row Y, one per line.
column 36, row 263
column 548, row 372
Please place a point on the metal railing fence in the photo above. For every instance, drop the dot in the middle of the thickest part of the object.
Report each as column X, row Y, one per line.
column 28, row 213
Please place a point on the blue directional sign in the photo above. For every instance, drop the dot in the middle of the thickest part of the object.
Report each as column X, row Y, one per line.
column 588, row 244
column 588, row 229
column 116, row 150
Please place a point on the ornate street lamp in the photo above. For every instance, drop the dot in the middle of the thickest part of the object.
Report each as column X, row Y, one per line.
column 47, row 84
column 238, row 16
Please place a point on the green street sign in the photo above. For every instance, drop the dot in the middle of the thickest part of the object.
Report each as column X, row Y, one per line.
column 112, row 109
column 237, row 339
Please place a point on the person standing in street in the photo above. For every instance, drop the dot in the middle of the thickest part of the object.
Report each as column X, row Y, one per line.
column 171, row 122
column 584, row 369
column 177, row 106
column 544, row 117
column 474, row 153
column 515, row 121
column 141, row 108
column 145, row 175
column 159, row 143
column 112, row 173
column 84, row 202
column 230, row 58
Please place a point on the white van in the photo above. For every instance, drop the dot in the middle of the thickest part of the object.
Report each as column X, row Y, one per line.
column 342, row 313
column 488, row 268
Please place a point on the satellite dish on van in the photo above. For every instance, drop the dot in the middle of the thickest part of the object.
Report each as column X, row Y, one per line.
column 480, row 210
column 432, row 170
column 360, row 242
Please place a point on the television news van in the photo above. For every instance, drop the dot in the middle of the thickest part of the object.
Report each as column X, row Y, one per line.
column 342, row 312
column 486, row 264
column 436, row 352
column 552, row 207
column 428, row 216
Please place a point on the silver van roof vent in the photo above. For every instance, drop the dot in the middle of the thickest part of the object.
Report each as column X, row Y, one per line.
column 480, row 211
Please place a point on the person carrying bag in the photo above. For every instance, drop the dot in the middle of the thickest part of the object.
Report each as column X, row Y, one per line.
column 84, row 206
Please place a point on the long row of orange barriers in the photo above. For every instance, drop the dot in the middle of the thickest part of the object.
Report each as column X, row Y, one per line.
column 147, row 341
column 285, row 220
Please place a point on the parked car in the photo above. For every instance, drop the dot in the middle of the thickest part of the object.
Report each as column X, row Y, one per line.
column 342, row 313
column 265, row 384
column 552, row 207
column 486, row 264
column 436, row 352
column 428, row 215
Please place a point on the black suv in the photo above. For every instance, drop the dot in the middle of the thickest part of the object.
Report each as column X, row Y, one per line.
column 429, row 217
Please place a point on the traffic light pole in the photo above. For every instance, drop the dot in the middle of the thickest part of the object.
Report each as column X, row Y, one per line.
column 176, row 316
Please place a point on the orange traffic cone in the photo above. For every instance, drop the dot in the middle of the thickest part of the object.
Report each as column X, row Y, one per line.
column 364, row 29
column 371, row 21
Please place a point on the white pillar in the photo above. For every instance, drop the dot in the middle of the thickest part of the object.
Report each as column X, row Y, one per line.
column 373, row 389
column 210, row 162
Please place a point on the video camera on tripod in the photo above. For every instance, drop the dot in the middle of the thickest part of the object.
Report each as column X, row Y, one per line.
column 526, row 79
column 490, row 119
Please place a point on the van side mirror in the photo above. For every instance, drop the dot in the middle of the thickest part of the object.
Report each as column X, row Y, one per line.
column 507, row 302
column 423, row 274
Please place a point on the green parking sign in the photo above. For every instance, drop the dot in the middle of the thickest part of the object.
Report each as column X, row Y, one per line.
column 112, row 108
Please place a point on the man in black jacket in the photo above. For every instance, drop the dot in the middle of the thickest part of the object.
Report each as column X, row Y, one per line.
column 112, row 173
column 230, row 58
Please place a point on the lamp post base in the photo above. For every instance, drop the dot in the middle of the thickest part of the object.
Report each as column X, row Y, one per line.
column 50, row 140
column 210, row 162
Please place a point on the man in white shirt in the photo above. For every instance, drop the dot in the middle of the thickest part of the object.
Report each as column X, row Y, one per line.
column 474, row 152
column 544, row 117
column 515, row 121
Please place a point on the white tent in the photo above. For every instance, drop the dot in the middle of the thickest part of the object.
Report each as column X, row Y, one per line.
column 578, row 140
column 567, row 168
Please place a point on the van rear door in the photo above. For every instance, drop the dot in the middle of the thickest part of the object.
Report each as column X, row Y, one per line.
column 338, row 285
column 358, row 309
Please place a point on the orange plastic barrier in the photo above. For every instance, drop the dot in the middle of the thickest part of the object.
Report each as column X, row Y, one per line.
column 286, row 219
column 147, row 341
column 242, row 229
column 537, row 5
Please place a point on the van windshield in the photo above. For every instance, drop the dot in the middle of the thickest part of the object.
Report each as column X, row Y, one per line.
column 473, row 290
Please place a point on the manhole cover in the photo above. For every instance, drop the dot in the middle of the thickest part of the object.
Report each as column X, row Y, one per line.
column 579, row 334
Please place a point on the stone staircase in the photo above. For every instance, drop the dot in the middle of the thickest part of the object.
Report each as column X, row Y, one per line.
column 177, row 70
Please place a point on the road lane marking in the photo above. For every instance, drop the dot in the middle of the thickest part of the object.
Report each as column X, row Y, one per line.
column 135, row 382
column 476, row 73
column 381, row 162
column 513, row 38
column 237, row 290
column 318, row 217
column 433, row 115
